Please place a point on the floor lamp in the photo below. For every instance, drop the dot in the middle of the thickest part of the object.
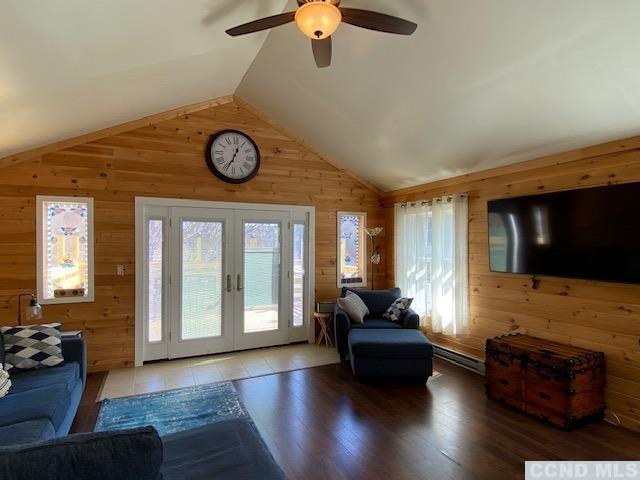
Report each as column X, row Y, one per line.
column 375, row 255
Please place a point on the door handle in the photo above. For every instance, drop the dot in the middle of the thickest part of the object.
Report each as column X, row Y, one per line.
column 229, row 286
column 239, row 282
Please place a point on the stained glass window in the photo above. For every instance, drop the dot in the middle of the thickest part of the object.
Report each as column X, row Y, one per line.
column 65, row 249
column 351, row 249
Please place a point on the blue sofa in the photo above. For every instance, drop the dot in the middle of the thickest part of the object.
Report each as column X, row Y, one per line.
column 37, row 413
column 230, row 449
column 377, row 301
column 41, row 404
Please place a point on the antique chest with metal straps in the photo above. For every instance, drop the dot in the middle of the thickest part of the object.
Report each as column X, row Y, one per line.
column 561, row 384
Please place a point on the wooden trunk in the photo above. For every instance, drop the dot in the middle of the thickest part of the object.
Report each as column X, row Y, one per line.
column 561, row 384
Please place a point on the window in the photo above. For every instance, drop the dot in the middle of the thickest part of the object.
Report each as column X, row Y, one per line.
column 352, row 269
column 299, row 262
column 65, row 249
column 155, row 274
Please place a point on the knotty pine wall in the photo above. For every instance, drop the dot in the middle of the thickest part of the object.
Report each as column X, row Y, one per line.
column 596, row 315
column 162, row 160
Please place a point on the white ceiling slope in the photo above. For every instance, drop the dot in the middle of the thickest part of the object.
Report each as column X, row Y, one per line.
column 481, row 84
column 69, row 67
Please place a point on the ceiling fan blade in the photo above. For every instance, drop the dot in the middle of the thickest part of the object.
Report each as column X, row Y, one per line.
column 262, row 24
column 380, row 22
column 322, row 51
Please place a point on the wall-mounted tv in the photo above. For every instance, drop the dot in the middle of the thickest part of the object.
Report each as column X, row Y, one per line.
column 591, row 233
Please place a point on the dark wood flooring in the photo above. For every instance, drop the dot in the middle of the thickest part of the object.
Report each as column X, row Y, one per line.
column 321, row 423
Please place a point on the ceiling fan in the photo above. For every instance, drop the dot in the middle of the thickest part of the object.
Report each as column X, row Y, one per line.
column 319, row 19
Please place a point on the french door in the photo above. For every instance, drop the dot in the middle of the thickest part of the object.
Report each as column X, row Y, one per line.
column 222, row 279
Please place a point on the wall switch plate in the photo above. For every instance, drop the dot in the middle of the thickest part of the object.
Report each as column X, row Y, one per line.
column 120, row 270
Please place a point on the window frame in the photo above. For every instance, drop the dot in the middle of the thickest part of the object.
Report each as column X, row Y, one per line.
column 305, row 283
column 363, row 240
column 41, row 243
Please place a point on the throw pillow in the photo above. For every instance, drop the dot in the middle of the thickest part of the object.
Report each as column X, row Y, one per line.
column 353, row 305
column 134, row 454
column 397, row 308
column 32, row 346
column 5, row 381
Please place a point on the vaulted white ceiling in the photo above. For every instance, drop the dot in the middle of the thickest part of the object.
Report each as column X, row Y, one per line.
column 482, row 83
column 69, row 67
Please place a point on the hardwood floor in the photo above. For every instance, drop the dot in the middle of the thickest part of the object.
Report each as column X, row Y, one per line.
column 321, row 423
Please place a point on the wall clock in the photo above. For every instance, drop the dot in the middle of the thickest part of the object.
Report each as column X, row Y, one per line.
column 232, row 156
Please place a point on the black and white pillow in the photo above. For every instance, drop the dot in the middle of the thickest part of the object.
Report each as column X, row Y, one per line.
column 397, row 308
column 32, row 346
column 5, row 381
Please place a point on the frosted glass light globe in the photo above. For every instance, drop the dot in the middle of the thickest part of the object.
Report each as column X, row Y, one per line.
column 318, row 19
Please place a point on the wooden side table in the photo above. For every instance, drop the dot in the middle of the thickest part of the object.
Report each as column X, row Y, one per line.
column 324, row 320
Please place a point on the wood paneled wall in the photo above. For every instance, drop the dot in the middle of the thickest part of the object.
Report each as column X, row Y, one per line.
column 162, row 160
column 596, row 315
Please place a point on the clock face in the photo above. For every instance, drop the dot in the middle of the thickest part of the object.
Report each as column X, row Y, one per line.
column 232, row 156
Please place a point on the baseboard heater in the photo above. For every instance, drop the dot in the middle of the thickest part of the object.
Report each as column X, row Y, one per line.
column 469, row 363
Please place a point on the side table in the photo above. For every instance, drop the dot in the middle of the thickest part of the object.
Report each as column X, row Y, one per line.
column 324, row 320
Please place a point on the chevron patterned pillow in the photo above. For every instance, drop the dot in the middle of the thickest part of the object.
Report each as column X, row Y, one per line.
column 5, row 381
column 394, row 312
column 32, row 346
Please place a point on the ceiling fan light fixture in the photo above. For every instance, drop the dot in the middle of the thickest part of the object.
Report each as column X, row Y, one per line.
column 318, row 19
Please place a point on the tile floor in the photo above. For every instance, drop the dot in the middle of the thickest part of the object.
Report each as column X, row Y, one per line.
column 156, row 377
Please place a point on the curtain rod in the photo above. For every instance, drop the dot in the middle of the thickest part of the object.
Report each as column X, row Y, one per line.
column 449, row 199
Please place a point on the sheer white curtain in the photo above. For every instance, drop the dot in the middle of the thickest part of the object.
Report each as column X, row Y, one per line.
column 431, row 261
column 413, row 255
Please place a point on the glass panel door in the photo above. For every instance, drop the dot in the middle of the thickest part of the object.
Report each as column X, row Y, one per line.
column 201, row 282
column 221, row 279
column 262, row 276
column 262, row 303
column 202, row 312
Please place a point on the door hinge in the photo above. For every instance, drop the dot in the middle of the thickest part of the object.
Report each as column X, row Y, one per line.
column 289, row 224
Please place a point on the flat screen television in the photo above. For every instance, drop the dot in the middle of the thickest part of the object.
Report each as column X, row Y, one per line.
column 591, row 233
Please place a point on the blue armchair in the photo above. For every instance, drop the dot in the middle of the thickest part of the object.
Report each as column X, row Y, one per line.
column 377, row 301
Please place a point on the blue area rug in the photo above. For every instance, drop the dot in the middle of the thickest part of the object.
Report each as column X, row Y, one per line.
column 173, row 410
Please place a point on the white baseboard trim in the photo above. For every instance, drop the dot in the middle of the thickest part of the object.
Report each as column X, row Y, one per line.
column 470, row 363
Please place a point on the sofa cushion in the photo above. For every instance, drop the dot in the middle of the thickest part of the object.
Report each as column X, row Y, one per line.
column 29, row 431
column 353, row 306
column 124, row 455
column 226, row 449
column 32, row 346
column 376, row 300
column 381, row 343
column 5, row 381
column 376, row 323
column 397, row 309
column 66, row 374
column 52, row 402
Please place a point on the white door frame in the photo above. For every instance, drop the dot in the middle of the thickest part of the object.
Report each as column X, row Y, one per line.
column 144, row 205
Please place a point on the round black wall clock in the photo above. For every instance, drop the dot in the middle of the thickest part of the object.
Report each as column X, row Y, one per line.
column 232, row 156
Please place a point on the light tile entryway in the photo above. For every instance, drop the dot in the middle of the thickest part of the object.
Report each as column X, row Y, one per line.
column 156, row 377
